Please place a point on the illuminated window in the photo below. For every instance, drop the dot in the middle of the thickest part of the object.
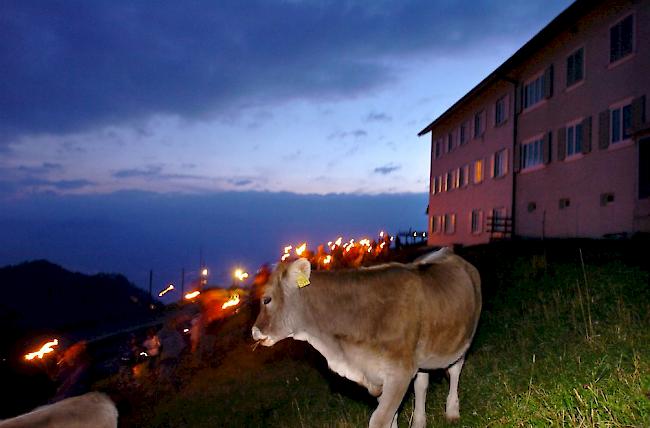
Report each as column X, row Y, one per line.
column 478, row 171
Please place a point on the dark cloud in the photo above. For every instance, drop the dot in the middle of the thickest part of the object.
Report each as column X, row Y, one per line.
column 148, row 172
column 386, row 169
column 41, row 185
column 240, row 182
column 339, row 135
column 378, row 117
column 73, row 65
column 44, row 168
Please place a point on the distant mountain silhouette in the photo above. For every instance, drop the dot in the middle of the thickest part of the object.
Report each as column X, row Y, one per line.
column 39, row 296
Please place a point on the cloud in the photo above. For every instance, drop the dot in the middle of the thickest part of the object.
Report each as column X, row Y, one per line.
column 73, row 65
column 148, row 172
column 339, row 135
column 378, row 117
column 386, row 169
column 44, row 168
column 240, row 182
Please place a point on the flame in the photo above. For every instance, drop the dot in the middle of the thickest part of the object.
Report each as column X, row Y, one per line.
column 301, row 249
column 327, row 260
column 286, row 256
column 191, row 295
column 45, row 349
column 240, row 274
column 338, row 241
column 204, row 272
column 233, row 301
column 288, row 248
column 381, row 234
column 166, row 290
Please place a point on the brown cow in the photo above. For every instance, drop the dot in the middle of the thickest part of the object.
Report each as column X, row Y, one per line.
column 380, row 326
column 93, row 409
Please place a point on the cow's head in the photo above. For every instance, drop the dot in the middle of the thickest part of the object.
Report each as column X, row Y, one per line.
column 278, row 310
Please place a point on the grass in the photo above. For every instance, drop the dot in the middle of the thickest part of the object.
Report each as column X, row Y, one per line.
column 560, row 343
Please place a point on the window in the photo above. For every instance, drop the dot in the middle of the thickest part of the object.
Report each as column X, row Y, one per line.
column 450, row 224
column 500, row 111
column 462, row 133
column 457, row 178
column 478, row 124
column 436, row 188
column 463, row 176
column 450, row 180
column 574, row 139
column 435, row 224
column 440, row 187
column 476, row 221
column 450, row 142
column 531, row 153
column 499, row 166
column 478, row 171
column 437, row 149
column 534, row 92
column 575, row 67
column 621, row 38
column 620, row 123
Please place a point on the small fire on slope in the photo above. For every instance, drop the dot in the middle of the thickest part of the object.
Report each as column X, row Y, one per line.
column 45, row 349
column 233, row 301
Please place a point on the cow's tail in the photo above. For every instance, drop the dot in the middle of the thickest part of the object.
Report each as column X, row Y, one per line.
column 434, row 256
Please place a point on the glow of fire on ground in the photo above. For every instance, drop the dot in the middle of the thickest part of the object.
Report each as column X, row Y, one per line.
column 233, row 301
column 166, row 290
column 191, row 295
column 45, row 349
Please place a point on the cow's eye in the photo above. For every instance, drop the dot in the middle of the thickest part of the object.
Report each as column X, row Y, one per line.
column 267, row 300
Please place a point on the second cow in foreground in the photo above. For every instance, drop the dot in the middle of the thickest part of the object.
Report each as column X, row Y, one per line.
column 380, row 326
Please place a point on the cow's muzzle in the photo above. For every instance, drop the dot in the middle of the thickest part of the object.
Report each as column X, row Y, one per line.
column 261, row 338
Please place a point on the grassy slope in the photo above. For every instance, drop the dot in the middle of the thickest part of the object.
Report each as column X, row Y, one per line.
column 551, row 350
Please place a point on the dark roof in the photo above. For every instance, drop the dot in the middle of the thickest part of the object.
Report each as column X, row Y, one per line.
column 564, row 20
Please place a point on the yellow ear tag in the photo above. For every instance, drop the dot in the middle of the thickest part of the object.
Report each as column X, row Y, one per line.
column 302, row 280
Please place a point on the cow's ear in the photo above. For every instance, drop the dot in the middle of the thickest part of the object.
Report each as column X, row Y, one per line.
column 298, row 273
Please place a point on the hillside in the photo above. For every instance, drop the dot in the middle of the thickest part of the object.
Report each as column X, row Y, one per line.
column 41, row 297
column 560, row 343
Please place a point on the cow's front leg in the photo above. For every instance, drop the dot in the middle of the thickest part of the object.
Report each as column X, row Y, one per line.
column 394, row 389
column 452, row 411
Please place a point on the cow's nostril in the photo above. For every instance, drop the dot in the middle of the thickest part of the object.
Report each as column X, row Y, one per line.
column 257, row 334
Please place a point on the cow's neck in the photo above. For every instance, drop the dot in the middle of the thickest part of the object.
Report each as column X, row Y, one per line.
column 319, row 304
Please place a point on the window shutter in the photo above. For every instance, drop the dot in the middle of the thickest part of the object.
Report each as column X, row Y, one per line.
column 505, row 161
column 548, row 82
column 603, row 129
column 516, row 158
column 561, row 143
column 546, row 149
column 506, row 107
column 492, row 166
column 638, row 113
column 519, row 95
column 586, row 135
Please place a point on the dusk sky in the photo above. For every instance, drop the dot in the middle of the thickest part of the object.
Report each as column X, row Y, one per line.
column 100, row 101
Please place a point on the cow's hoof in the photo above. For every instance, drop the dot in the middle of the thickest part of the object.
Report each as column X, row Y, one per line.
column 452, row 417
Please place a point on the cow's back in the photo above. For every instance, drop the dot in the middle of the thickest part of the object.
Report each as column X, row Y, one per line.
column 93, row 409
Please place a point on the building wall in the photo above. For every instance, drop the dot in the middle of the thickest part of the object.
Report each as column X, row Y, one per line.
column 486, row 195
column 583, row 179
column 562, row 197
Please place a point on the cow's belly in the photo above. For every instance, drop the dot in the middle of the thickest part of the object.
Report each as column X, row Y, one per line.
column 431, row 361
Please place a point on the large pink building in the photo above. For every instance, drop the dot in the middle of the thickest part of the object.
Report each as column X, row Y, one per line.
column 556, row 141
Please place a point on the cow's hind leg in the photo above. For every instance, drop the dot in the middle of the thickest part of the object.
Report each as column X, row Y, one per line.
column 394, row 389
column 452, row 411
column 420, row 386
